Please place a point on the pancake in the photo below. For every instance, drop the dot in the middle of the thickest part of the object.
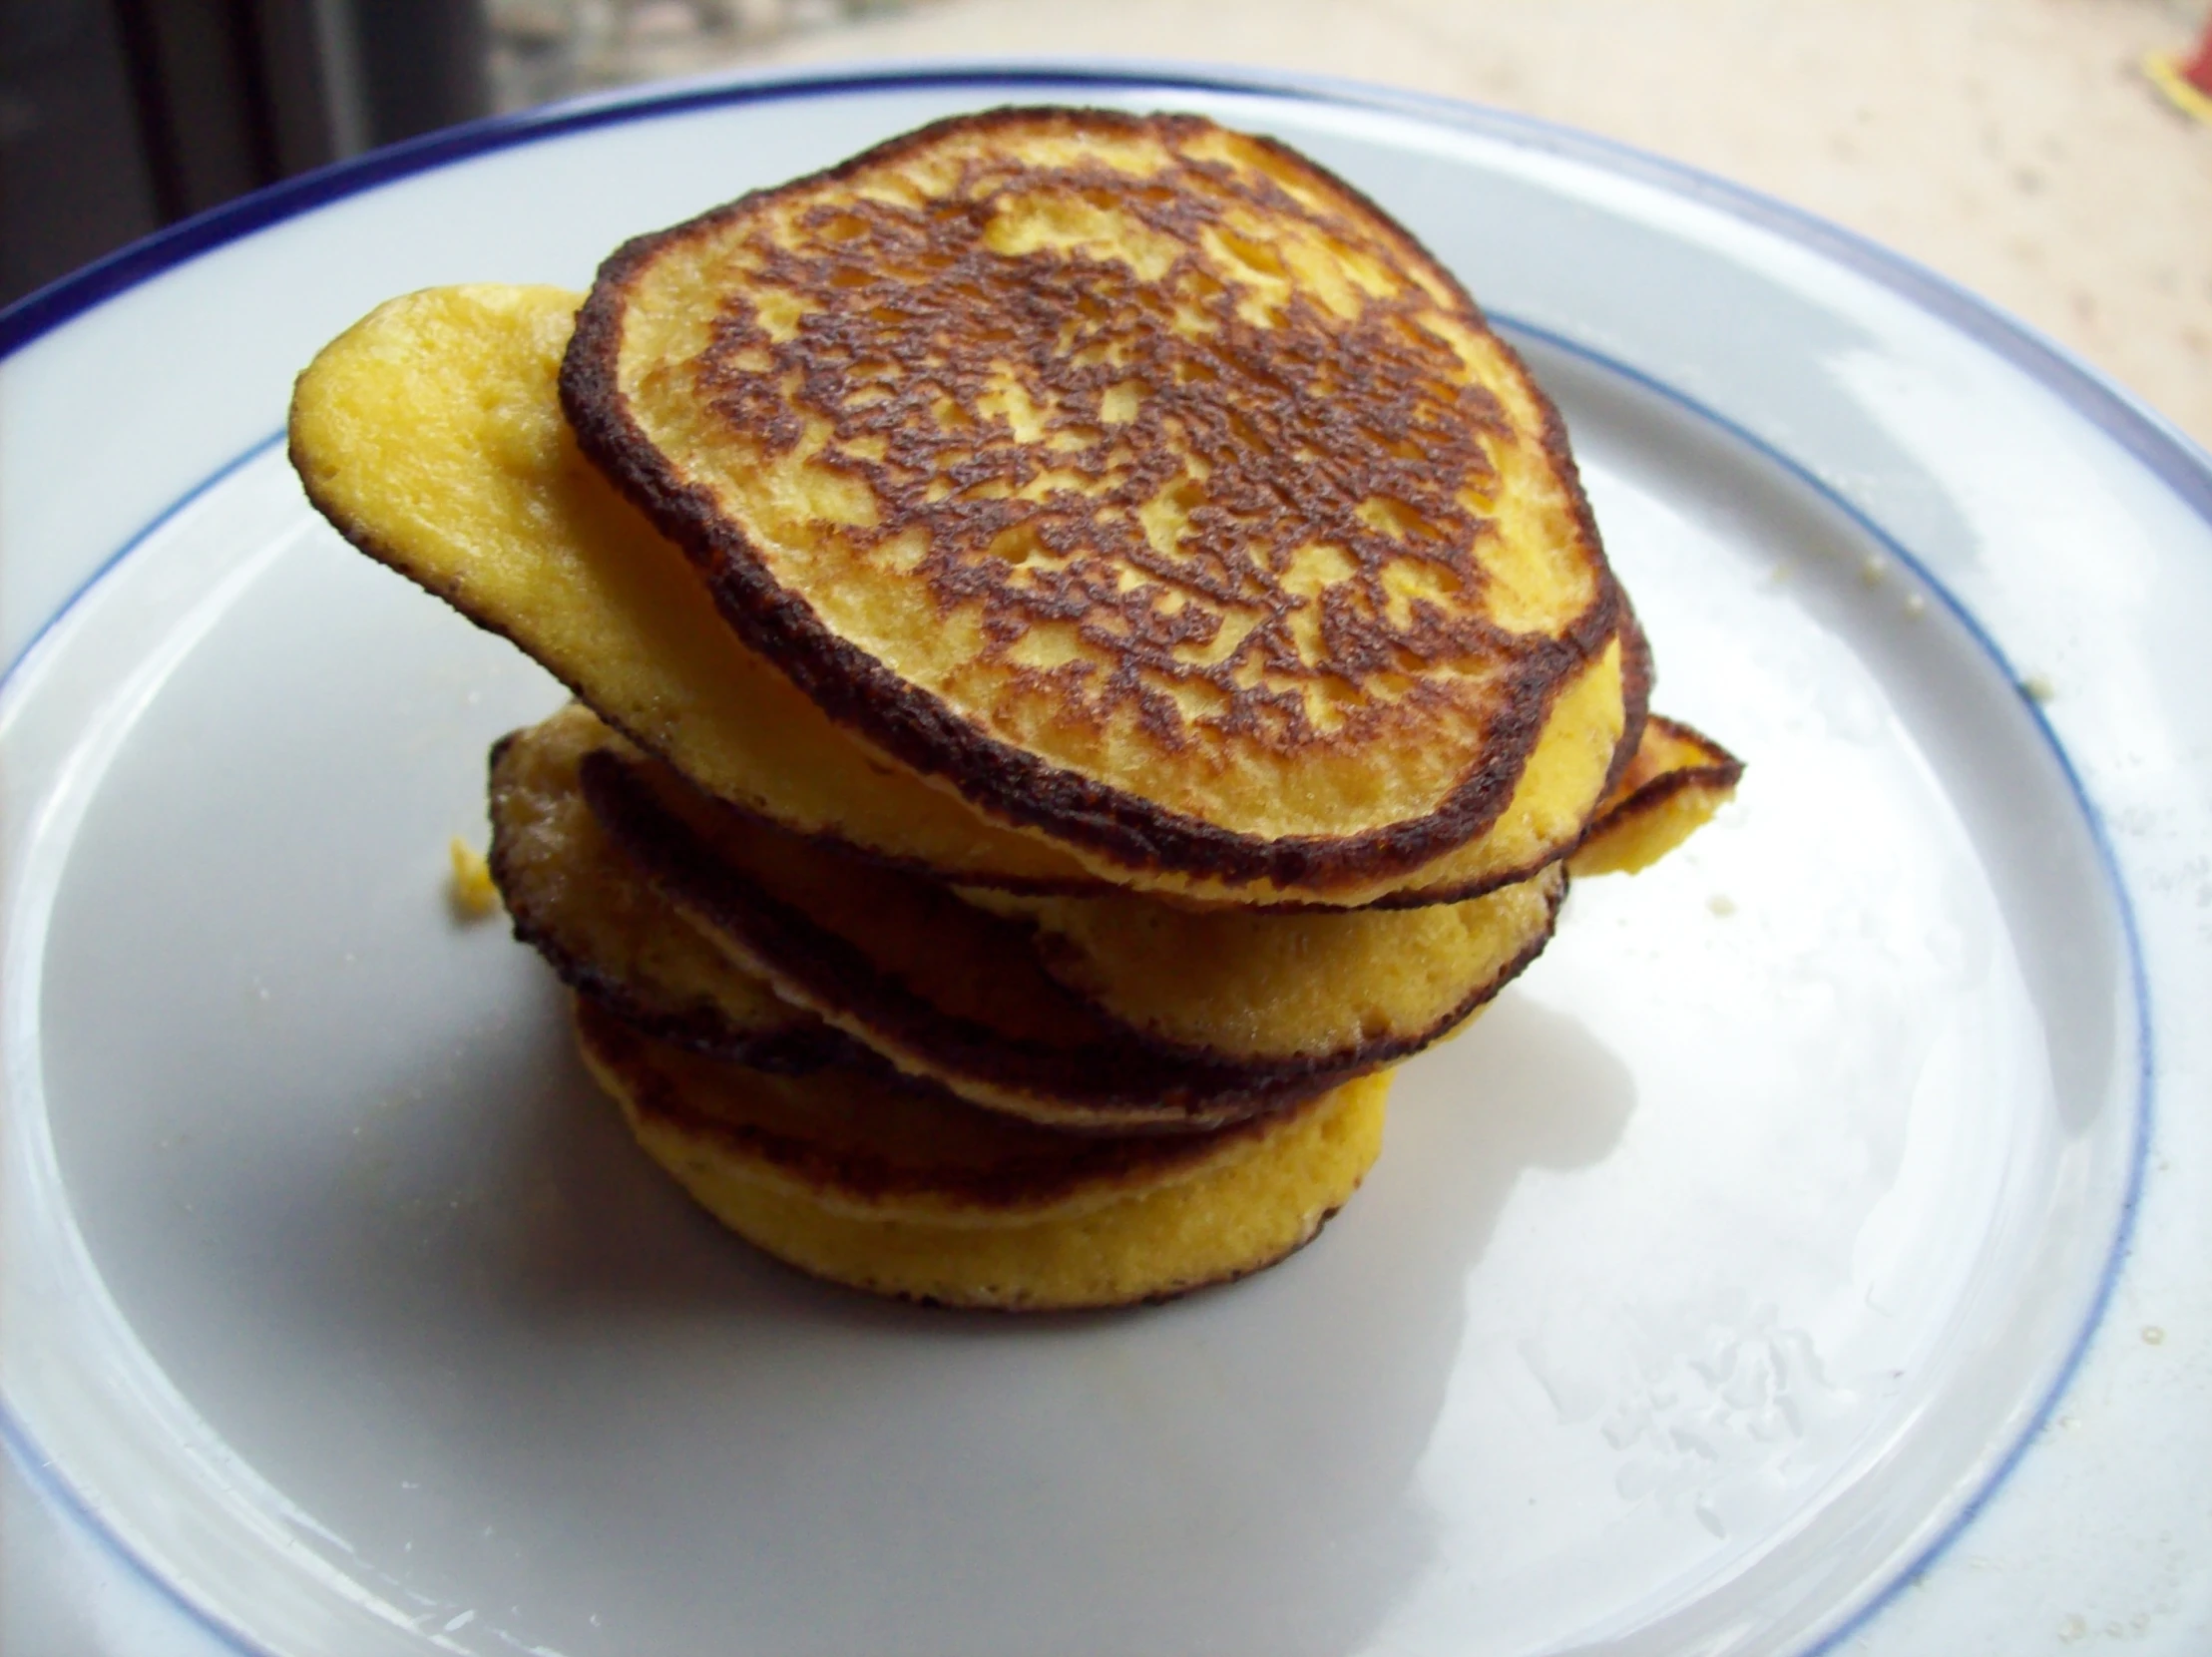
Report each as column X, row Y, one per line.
column 1143, row 484
column 1074, row 991
column 855, row 1179
column 1678, row 778
column 1088, row 648
column 941, row 990
column 598, row 921
column 1322, row 988
column 430, row 435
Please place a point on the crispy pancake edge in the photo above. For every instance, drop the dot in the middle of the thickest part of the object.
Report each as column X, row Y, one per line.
column 806, row 1045
column 1019, row 1190
column 671, row 1136
column 927, row 735
column 825, row 967
column 1636, row 686
column 1723, row 775
column 1632, row 832
column 358, row 533
column 1124, row 1086
column 1368, row 1055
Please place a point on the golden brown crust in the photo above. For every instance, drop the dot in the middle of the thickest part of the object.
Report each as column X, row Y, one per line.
column 1019, row 1165
column 1089, row 1055
column 1637, row 671
column 1658, row 773
column 904, row 1196
column 1109, row 1079
column 1271, row 468
column 791, row 1045
column 1637, row 676
column 1286, row 991
column 1636, row 680
column 796, row 1051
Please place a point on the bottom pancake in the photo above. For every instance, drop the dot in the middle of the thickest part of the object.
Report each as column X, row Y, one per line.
column 860, row 1180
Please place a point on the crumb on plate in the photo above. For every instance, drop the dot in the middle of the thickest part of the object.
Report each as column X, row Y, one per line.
column 471, row 891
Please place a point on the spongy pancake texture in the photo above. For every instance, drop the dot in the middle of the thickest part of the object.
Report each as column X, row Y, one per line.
column 1278, row 988
column 431, row 435
column 1136, row 476
column 584, row 907
column 1677, row 779
column 867, row 1185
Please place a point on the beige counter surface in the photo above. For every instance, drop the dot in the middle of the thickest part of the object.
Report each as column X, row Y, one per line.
column 2015, row 146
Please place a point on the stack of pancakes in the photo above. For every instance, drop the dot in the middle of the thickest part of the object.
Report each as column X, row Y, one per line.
column 1088, row 650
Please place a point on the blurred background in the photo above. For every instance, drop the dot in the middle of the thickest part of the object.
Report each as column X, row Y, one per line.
column 2017, row 145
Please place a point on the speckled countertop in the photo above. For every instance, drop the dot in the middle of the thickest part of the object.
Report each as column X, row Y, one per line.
column 2015, row 146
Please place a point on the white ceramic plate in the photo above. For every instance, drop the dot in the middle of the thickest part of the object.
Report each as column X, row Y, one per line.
column 1822, row 1217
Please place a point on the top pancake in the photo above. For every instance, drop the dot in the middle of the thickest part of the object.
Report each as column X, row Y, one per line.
column 1136, row 478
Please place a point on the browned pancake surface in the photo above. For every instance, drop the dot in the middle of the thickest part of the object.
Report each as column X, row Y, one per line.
column 858, row 1181
column 1137, row 478
column 1676, row 780
column 576, row 898
column 940, row 988
column 866, row 1139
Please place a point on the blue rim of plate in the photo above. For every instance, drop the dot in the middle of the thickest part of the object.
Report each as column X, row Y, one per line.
column 2146, row 436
